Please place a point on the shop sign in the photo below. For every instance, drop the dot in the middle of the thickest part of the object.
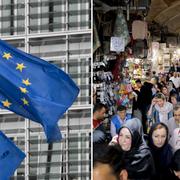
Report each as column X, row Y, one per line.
column 117, row 44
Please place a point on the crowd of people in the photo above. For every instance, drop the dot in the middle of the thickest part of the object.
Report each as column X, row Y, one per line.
column 145, row 146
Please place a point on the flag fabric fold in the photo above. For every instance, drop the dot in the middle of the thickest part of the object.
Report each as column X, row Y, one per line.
column 35, row 89
column 10, row 157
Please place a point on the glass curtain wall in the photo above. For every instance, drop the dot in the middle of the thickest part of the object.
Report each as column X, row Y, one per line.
column 58, row 31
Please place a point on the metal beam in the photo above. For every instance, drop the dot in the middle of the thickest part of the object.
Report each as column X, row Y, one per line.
column 112, row 8
column 49, row 34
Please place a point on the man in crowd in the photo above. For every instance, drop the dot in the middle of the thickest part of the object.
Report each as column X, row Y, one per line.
column 99, row 132
column 144, row 100
column 98, row 118
column 138, row 84
column 136, row 91
column 110, row 166
column 118, row 120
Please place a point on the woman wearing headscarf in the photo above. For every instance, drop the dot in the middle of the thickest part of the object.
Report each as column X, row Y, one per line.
column 138, row 158
column 161, row 151
column 161, row 111
column 175, row 140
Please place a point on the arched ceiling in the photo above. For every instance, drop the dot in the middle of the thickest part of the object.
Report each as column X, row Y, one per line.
column 166, row 13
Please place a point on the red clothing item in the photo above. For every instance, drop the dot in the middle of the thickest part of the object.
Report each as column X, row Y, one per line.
column 96, row 123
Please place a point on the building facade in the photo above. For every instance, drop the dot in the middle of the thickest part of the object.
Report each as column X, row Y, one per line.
column 58, row 31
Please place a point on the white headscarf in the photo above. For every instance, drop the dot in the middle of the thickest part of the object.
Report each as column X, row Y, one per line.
column 163, row 111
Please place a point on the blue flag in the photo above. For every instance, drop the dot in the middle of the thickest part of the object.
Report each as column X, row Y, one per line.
column 35, row 89
column 10, row 157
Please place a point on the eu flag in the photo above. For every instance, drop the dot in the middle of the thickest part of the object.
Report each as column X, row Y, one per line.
column 10, row 157
column 35, row 89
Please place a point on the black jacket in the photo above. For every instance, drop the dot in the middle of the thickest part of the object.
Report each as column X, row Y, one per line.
column 139, row 160
column 145, row 96
column 162, row 157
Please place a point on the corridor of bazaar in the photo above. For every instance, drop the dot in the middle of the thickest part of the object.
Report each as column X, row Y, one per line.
column 136, row 86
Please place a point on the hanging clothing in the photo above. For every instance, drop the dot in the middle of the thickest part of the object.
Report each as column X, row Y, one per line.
column 120, row 27
column 117, row 77
column 140, row 48
column 96, row 41
column 139, row 29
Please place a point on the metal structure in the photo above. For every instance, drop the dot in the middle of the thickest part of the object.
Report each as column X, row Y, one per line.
column 58, row 31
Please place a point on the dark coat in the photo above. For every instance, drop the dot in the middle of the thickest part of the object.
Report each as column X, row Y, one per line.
column 162, row 157
column 139, row 160
column 145, row 96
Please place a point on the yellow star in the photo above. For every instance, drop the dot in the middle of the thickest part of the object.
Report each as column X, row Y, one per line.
column 20, row 66
column 23, row 90
column 26, row 82
column 7, row 55
column 6, row 103
column 25, row 102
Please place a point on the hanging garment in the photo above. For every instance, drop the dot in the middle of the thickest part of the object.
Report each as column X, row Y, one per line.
column 140, row 48
column 139, row 29
column 120, row 28
column 96, row 41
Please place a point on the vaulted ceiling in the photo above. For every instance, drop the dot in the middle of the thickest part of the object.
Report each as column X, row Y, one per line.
column 163, row 12
column 166, row 13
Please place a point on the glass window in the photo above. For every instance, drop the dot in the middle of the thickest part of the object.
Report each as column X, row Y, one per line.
column 79, row 65
column 69, row 158
column 47, row 16
column 51, row 49
column 79, row 14
column 12, row 18
column 79, row 120
column 20, row 44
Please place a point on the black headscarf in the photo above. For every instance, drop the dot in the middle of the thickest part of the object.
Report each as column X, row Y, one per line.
column 162, row 156
column 138, row 159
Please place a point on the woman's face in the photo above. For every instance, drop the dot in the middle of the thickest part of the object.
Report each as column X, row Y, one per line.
column 173, row 100
column 170, row 85
column 154, row 100
column 177, row 116
column 125, row 139
column 164, row 90
column 160, row 102
column 159, row 137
